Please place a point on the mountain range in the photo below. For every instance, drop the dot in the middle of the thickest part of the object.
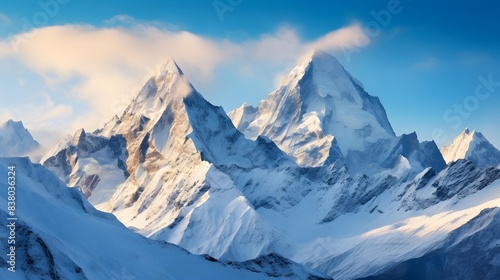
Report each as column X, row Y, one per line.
column 313, row 178
column 16, row 140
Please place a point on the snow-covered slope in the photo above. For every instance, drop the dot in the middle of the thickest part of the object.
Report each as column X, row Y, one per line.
column 321, row 114
column 472, row 145
column 15, row 140
column 376, row 243
column 59, row 235
column 472, row 251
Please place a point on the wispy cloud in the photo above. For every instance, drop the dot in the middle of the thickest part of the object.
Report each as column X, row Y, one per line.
column 105, row 66
column 45, row 118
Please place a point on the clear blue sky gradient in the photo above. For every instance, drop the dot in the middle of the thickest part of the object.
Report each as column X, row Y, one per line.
column 424, row 66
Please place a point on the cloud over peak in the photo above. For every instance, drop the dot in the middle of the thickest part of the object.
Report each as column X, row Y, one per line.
column 108, row 65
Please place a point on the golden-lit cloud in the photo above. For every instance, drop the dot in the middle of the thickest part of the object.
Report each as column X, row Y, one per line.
column 108, row 65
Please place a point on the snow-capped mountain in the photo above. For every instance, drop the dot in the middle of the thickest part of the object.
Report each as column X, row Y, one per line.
column 173, row 167
column 321, row 114
column 15, row 140
column 171, row 136
column 472, row 145
column 59, row 235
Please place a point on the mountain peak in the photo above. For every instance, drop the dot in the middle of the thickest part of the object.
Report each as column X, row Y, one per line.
column 171, row 80
column 14, row 124
column 15, row 139
column 321, row 60
column 79, row 134
column 321, row 56
column 467, row 131
column 246, row 104
column 320, row 64
column 317, row 102
column 169, row 83
column 169, row 67
column 473, row 146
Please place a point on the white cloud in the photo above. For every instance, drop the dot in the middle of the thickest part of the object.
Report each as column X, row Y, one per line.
column 42, row 116
column 348, row 37
column 108, row 65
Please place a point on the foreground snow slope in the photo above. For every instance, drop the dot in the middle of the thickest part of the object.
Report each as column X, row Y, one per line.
column 386, row 240
column 61, row 236
column 470, row 252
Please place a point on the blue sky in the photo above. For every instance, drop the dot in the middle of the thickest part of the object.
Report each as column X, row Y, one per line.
column 67, row 63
